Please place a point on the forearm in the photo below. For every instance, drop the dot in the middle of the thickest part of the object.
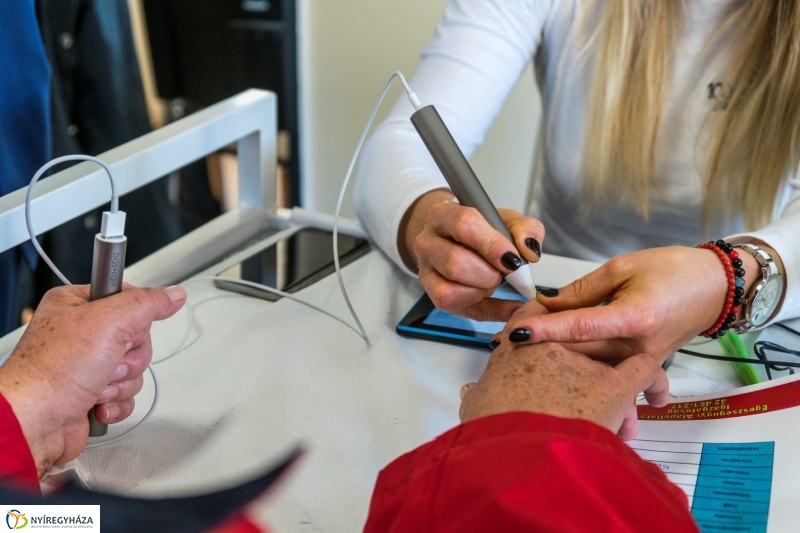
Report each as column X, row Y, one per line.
column 480, row 49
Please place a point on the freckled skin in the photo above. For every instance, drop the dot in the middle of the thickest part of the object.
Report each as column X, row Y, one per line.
column 550, row 379
column 67, row 359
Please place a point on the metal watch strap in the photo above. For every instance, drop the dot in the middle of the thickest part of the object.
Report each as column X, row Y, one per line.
column 769, row 269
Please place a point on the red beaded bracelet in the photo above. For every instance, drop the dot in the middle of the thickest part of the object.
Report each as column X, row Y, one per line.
column 733, row 299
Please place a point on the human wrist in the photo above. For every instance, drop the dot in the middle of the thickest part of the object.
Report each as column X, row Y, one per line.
column 734, row 274
column 752, row 276
column 413, row 222
column 764, row 297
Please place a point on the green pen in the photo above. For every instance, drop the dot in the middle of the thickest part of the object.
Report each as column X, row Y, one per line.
column 733, row 347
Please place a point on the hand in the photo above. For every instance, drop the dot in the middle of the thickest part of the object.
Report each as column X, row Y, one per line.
column 462, row 259
column 75, row 354
column 660, row 299
column 549, row 379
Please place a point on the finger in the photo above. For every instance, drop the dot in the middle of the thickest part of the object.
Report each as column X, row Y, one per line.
column 643, row 373
column 629, row 429
column 113, row 412
column 69, row 295
column 136, row 309
column 491, row 310
column 457, row 263
column 615, row 350
column 466, row 226
column 588, row 291
column 467, row 396
column 449, row 295
column 135, row 362
column 530, row 309
column 615, row 320
column 465, row 390
column 608, row 350
column 528, row 233
column 121, row 390
column 139, row 338
column 495, row 341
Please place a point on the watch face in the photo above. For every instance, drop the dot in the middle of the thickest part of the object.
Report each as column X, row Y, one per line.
column 766, row 301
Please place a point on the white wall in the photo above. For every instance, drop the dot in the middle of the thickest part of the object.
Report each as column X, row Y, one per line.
column 348, row 49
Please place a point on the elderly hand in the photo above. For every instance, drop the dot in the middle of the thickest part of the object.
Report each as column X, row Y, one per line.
column 76, row 354
column 549, row 379
column 660, row 299
column 462, row 259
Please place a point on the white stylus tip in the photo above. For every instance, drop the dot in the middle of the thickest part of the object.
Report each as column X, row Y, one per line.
column 522, row 280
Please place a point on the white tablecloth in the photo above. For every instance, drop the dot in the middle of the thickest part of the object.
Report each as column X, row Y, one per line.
column 262, row 377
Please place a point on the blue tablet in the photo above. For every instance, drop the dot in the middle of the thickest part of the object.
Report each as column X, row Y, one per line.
column 425, row 321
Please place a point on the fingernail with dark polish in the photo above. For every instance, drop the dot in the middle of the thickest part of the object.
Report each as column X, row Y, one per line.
column 547, row 291
column 533, row 244
column 519, row 335
column 494, row 344
column 511, row 261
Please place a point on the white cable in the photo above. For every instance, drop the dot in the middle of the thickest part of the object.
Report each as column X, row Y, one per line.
column 63, row 278
column 186, row 333
column 273, row 291
column 29, row 197
column 416, row 103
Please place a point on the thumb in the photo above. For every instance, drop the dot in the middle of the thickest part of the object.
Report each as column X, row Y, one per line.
column 588, row 291
column 138, row 308
column 643, row 373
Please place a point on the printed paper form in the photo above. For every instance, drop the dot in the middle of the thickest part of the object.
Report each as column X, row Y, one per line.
column 728, row 484
column 737, row 457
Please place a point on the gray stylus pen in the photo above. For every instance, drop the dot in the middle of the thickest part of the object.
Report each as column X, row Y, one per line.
column 465, row 185
column 108, row 262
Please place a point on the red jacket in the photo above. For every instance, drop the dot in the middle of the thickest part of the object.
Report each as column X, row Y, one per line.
column 526, row 472
column 512, row 472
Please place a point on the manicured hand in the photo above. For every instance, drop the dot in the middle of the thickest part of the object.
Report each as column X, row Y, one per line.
column 462, row 259
column 660, row 299
column 76, row 354
column 550, row 379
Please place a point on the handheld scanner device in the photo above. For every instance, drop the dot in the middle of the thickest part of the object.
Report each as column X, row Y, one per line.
column 466, row 186
column 108, row 263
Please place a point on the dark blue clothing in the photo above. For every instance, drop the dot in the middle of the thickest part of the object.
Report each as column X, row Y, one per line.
column 24, row 96
column 24, row 125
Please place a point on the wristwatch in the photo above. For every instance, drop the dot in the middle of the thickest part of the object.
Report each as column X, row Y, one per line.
column 764, row 296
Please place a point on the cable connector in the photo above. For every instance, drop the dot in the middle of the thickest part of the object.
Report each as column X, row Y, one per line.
column 414, row 100
column 412, row 96
column 113, row 224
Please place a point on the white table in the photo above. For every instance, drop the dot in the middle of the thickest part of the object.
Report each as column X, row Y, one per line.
column 262, row 377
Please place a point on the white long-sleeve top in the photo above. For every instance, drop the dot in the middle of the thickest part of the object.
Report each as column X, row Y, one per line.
column 478, row 53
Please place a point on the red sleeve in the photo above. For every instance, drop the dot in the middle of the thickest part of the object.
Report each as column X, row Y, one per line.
column 526, row 472
column 16, row 461
column 239, row 523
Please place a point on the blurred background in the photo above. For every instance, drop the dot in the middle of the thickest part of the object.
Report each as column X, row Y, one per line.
column 122, row 68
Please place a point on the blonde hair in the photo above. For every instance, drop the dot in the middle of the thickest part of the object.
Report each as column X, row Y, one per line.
column 752, row 145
